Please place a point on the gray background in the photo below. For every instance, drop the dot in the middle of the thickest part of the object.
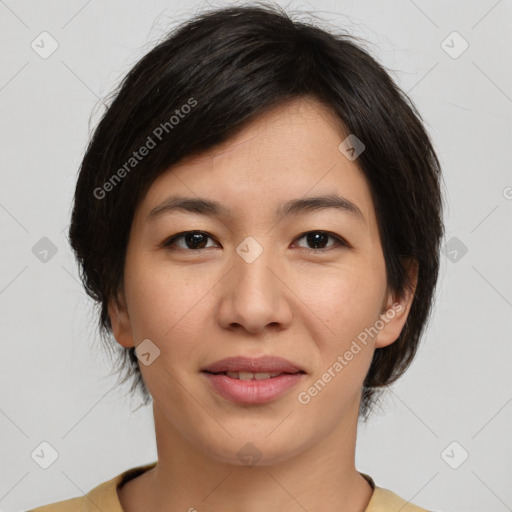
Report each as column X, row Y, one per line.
column 54, row 378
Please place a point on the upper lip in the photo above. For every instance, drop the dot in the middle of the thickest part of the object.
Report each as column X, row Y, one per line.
column 262, row 364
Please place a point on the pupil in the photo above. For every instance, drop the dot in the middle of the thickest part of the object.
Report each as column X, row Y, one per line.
column 315, row 238
column 194, row 239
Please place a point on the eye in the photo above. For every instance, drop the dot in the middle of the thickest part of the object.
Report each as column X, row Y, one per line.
column 193, row 240
column 196, row 240
column 320, row 238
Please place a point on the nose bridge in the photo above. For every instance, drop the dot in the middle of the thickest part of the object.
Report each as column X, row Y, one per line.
column 255, row 296
column 253, row 265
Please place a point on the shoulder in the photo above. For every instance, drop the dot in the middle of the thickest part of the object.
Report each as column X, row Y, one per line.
column 71, row 505
column 103, row 497
column 387, row 501
column 384, row 500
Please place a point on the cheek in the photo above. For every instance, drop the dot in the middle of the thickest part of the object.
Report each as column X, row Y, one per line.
column 167, row 306
column 347, row 305
column 172, row 307
column 163, row 298
column 346, row 300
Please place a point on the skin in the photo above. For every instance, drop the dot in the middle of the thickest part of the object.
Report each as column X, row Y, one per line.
column 198, row 306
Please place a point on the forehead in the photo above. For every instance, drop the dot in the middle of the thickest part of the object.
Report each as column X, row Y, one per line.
column 288, row 153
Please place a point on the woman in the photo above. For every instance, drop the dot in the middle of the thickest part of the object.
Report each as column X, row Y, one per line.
column 259, row 216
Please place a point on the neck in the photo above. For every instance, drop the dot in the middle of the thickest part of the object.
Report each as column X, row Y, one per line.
column 322, row 477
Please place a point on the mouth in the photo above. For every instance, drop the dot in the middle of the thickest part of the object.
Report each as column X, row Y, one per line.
column 247, row 368
column 245, row 380
column 244, row 375
column 253, row 387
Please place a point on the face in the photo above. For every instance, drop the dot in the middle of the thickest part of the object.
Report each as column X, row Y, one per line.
column 257, row 278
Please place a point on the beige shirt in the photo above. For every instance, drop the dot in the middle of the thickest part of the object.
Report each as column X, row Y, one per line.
column 104, row 497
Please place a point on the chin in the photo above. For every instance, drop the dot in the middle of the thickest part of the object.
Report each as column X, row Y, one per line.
column 255, row 449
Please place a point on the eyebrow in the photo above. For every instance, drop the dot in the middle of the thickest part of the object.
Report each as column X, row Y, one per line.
column 293, row 207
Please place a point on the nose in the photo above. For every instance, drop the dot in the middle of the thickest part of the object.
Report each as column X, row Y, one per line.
column 255, row 296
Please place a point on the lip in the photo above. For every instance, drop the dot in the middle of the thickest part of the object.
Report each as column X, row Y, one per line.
column 252, row 391
column 271, row 364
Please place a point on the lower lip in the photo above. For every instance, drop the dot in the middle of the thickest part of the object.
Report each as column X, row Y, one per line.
column 253, row 391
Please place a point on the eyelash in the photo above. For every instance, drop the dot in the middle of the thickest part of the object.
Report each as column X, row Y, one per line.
column 340, row 242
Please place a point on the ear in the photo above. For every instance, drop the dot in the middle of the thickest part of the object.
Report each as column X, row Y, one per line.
column 396, row 311
column 120, row 320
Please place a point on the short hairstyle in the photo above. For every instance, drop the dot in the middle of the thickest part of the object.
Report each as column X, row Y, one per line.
column 201, row 85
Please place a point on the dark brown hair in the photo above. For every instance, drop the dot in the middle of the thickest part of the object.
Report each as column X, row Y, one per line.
column 204, row 82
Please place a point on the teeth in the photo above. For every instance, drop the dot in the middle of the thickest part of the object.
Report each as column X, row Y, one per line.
column 251, row 375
